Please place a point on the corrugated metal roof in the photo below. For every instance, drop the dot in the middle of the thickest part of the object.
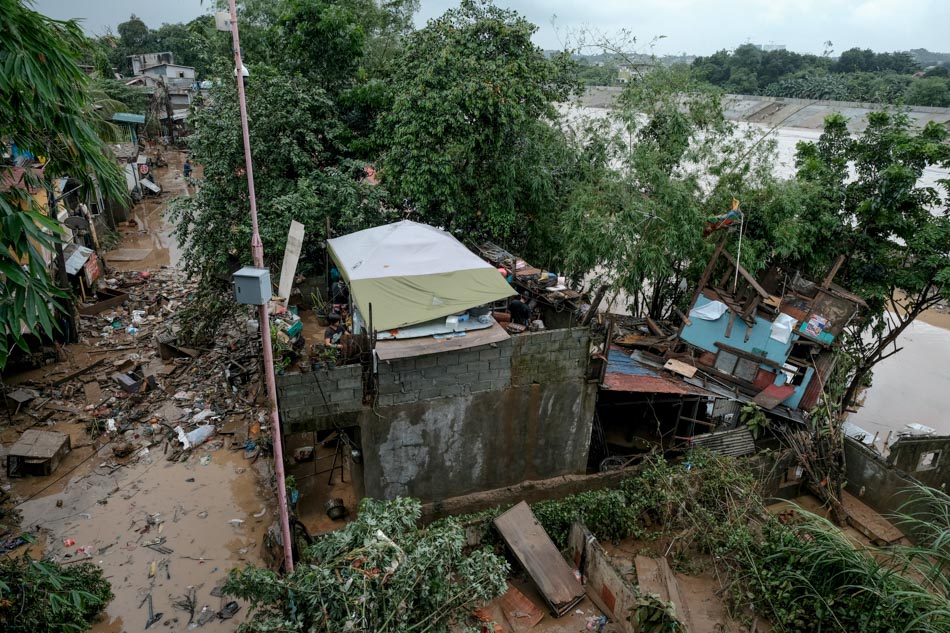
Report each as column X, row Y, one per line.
column 630, row 374
column 735, row 443
column 128, row 117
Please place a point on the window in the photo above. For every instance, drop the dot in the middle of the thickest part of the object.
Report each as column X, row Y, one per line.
column 181, row 75
column 928, row 461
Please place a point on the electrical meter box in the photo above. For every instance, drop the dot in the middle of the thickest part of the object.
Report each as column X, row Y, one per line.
column 252, row 286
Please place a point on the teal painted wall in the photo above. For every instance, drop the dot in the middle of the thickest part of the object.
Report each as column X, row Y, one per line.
column 704, row 334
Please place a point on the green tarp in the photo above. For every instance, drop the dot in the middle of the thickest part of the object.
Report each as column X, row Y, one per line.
column 413, row 273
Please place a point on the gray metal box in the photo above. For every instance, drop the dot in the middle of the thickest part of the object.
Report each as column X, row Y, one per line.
column 252, row 286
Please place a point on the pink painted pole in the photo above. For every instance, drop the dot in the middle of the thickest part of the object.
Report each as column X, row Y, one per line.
column 257, row 251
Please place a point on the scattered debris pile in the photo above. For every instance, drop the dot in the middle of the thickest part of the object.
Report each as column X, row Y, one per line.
column 131, row 381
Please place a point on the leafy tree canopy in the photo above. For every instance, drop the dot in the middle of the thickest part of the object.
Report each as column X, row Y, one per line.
column 44, row 596
column 301, row 173
column 466, row 130
column 46, row 111
column 893, row 232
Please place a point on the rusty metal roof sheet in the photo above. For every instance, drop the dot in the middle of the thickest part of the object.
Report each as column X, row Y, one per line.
column 625, row 372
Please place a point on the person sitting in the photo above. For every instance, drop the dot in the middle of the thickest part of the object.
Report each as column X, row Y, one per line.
column 520, row 310
column 333, row 337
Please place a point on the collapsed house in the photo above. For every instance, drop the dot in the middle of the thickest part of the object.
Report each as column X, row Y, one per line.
column 442, row 400
column 767, row 342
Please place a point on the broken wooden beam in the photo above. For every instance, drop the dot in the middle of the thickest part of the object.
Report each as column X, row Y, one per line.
column 79, row 372
column 746, row 275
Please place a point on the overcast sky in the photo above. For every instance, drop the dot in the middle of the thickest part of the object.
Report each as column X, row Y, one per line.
column 690, row 26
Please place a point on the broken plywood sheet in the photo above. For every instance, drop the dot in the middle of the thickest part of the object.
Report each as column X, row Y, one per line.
column 519, row 611
column 681, row 368
column 540, row 557
column 870, row 523
column 654, row 576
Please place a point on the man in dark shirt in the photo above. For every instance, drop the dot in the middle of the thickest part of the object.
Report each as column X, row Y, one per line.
column 333, row 336
column 520, row 310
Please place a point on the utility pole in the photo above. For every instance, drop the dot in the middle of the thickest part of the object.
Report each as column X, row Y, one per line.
column 257, row 251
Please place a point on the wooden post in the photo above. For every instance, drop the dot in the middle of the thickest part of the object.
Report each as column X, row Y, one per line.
column 708, row 272
column 826, row 282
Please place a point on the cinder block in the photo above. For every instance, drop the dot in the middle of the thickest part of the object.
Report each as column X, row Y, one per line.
column 476, row 387
column 488, row 354
column 456, row 370
column 467, row 356
column 450, row 391
column 501, row 363
column 479, row 366
column 385, row 400
column 427, row 361
column 350, row 383
column 403, row 398
column 341, row 395
column 447, row 359
column 430, row 393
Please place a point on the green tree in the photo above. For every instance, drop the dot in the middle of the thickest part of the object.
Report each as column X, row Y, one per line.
column 638, row 227
column 301, row 173
column 893, row 232
column 380, row 573
column 472, row 97
column 929, row 91
column 44, row 111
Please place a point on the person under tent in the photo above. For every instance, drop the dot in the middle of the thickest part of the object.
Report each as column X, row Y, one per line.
column 520, row 310
column 333, row 336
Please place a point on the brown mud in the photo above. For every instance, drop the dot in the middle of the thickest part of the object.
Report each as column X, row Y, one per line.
column 208, row 511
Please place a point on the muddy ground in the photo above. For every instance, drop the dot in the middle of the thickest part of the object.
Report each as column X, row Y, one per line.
column 204, row 512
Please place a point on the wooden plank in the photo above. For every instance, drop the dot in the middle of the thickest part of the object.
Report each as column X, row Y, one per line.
column 704, row 280
column 654, row 327
column 654, row 576
column 79, row 372
column 681, row 368
column 534, row 549
column 683, row 317
column 408, row 348
column 745, row 275
column 868, row 522
column 826, row 282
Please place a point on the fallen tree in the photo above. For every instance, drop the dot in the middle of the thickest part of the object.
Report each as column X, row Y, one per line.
column 380, row 573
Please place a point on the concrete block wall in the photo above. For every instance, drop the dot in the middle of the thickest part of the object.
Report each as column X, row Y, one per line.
column 550, row 356
column 320, row 393
column 445, row 375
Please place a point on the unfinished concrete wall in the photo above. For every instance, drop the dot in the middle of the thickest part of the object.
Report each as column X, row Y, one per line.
column 323, row 392
column 603, row 582
column 926, row 459
column 883, row 487
column 462, row 421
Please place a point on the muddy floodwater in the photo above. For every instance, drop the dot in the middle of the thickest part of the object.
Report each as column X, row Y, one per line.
column 203, row 510
column 911, row 386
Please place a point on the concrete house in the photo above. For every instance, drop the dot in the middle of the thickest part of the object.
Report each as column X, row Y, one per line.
column 445, row 401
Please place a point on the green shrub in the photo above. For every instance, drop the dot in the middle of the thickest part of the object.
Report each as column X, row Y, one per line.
column 38, row 595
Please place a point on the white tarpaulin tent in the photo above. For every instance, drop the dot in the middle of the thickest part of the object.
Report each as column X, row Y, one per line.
column 412, row 273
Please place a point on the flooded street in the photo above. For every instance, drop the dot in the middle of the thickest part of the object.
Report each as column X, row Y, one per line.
column 203, row 508
column 164, row 525
column 147, row 241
